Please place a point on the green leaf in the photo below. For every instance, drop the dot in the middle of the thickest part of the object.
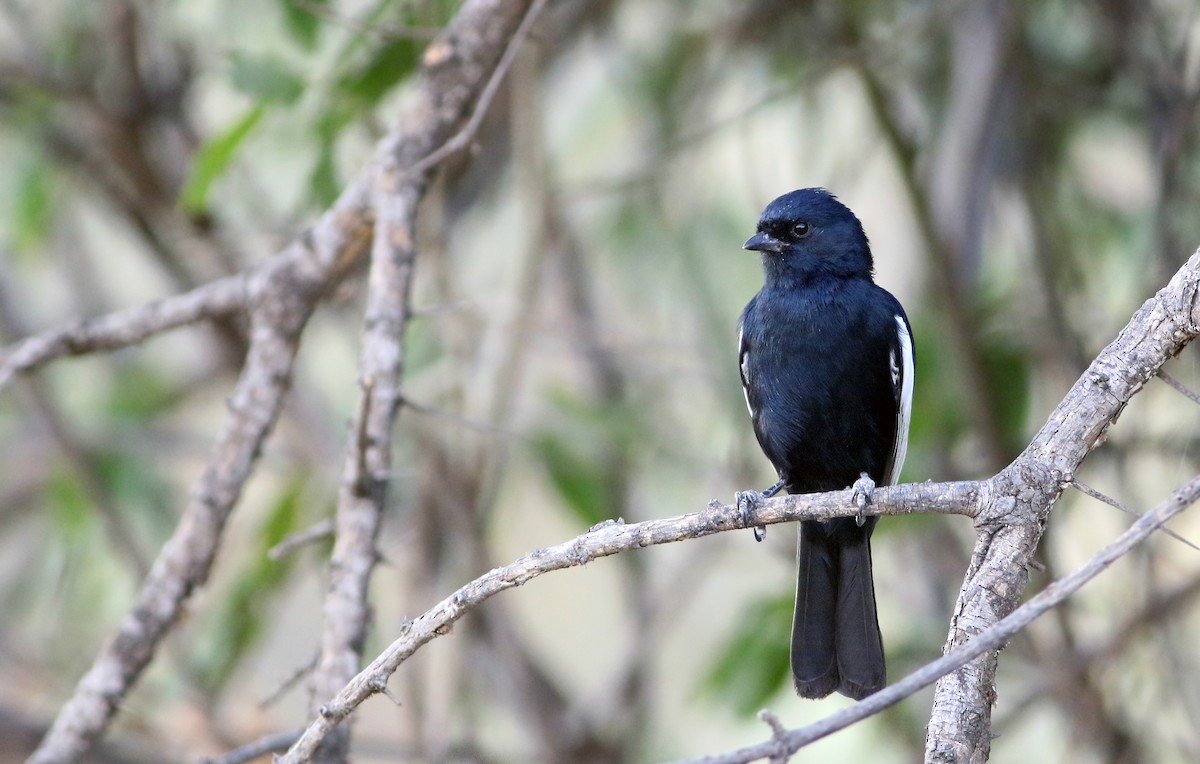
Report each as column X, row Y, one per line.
column 754, row 663
column 139, row 392
column 1008, row 367
column 213, row 159
column 242, row 614
column 579, row 479
column 586, row 453
column 265, row 78
column 387, row 67
column 301, row 22
column 33, row 209
column 323, row 181
column 70, row 505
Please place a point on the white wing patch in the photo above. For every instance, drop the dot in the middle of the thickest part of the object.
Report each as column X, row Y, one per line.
column 903, row 370
column 744, row 370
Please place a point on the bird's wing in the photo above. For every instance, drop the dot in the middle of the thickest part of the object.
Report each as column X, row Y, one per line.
column 903, row 369
column 743, row 367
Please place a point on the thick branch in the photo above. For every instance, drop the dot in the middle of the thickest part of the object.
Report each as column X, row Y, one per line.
column 457, row 67
column 781, row 746
column 347, row 613
column 285, row 300
column 489, row 34
column 1010, row 524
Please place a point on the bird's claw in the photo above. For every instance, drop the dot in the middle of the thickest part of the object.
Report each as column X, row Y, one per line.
column 863, row 488
column 747, row 504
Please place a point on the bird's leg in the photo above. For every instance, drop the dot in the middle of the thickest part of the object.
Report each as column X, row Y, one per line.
column 747, row 503
column 863, row 488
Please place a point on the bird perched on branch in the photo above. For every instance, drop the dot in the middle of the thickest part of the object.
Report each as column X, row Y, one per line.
column 826, row 360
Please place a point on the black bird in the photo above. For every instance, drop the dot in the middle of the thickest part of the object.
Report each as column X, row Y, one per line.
column 826, row 361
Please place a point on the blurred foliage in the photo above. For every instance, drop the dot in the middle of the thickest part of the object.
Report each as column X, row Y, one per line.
column 754, row 664
column 240, row 617
column 1028, row 174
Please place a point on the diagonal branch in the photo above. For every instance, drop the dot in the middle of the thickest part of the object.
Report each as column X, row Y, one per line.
column 1010, row 523
column 125, row 327
column 993, row 638
column 285, row 299
column 281, row 297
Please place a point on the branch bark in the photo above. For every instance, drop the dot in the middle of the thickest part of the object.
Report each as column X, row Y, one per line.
column 608, row 539
column 281, row 297
column 284, row 297
column 781, row 746
column 1011, row 521
column 1010, row 510
column 487, row 34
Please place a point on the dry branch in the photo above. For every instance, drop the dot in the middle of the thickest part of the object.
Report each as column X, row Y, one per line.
column 487, row 34
column 1010, row 510
column 283, row 297
column 1020, row 497
column 783, row 745
column 612, row 538
column 126, row 327
column 280, row 298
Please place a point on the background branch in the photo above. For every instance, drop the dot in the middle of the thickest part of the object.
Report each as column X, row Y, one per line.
column 576, row 205
column 283, row 296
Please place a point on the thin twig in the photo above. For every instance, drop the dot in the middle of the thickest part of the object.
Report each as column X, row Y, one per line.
column 290, row 681
column 1182, row 388
column 462, row 139
column 318, row 531
column 1151, row 615
column 261, row 747
column 1088, row 490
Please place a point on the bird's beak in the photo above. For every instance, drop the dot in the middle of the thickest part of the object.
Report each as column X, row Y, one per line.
column 763, row 242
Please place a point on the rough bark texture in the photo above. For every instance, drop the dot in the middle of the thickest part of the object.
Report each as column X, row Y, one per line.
column 1019, row 500
column 461, row 66
column 280, row 298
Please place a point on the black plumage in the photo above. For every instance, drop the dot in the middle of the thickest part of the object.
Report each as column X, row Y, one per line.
column 826, row 360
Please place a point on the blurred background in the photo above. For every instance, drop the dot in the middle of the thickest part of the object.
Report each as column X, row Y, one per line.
column 1028, row 173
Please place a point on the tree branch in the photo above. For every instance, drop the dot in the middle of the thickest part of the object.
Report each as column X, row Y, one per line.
column 1010, row 510
column 608, row 539
column 1010, row 523
column 400, row 183
column 991, row 639
column 281, row 297
column 284, row 297
column 126, row 327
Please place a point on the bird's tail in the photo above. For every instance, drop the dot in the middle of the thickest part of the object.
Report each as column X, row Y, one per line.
column 836, row 644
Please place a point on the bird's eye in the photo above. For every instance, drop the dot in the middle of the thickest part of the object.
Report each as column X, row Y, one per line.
column 801, row 229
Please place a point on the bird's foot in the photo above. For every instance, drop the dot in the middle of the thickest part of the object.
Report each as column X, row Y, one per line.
column 747, row 504
column 863, row 488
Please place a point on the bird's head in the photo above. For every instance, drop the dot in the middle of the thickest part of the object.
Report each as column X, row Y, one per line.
column 807, row 233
